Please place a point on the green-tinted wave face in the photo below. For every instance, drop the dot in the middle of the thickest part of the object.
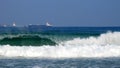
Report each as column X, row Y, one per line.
column 26, row 40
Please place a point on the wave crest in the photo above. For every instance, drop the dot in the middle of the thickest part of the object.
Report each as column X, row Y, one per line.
column 103, row 39
column 26, row 40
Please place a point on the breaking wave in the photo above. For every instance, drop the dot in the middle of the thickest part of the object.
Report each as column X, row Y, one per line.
column 106, row 45
column 26, row 40
column 104, row 39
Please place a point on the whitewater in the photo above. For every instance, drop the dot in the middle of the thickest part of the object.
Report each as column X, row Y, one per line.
column 105, row 45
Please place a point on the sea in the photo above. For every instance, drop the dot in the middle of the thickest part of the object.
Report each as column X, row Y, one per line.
column 62, row 47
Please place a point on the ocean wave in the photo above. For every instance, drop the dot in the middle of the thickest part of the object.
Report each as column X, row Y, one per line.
column 104, row 39
column 106, row 45
column 26, row 40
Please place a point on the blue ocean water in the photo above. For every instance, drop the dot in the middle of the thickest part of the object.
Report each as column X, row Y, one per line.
column 61, row 63
column 62, row 47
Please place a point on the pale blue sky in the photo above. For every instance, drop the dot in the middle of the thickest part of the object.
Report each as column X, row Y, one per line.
column 61, row 12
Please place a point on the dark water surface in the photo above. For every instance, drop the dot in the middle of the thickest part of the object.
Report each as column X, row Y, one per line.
column 61, row 63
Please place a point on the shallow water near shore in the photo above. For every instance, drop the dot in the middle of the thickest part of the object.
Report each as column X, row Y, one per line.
column 61, row 63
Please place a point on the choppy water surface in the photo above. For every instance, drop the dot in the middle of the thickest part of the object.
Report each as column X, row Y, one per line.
column 61, row 63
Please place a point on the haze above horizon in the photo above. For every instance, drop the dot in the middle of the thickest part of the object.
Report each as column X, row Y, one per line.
column 61, row 12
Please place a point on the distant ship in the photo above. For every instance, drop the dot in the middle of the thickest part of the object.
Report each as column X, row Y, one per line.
column 47, row 24
column 34, row 27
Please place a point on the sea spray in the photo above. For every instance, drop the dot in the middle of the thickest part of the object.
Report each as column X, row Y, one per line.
column 104, row 39
column 60, row 51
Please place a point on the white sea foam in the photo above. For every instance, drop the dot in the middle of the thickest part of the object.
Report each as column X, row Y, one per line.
column 106, row 45
column 103, row 39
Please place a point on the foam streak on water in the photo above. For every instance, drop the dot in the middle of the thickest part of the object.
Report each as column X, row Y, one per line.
column 106, row 45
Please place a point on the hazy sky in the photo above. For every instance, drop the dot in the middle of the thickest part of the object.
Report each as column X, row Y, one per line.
column 61, row 12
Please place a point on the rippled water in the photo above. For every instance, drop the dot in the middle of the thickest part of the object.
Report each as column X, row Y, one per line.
column 61, row 63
